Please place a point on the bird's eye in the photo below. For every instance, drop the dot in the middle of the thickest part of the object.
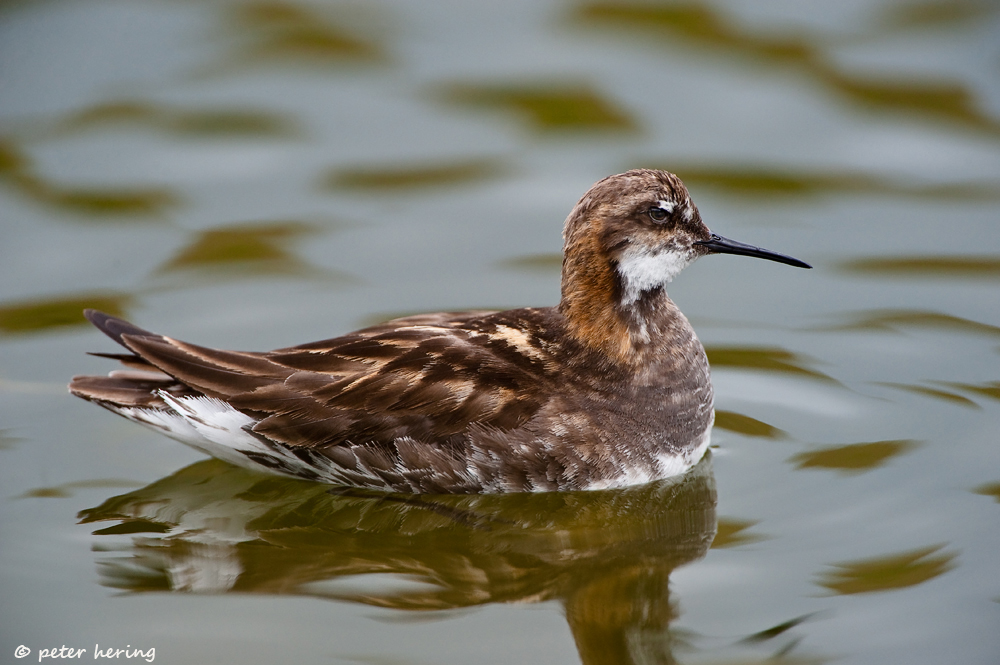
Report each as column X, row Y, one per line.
column 658, row 214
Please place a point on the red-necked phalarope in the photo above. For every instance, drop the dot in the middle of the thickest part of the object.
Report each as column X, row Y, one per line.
column 611, row 388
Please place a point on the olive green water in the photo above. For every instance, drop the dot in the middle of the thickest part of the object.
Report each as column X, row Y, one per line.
column 255, row 175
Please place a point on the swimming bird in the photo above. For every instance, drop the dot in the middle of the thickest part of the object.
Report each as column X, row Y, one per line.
column 609, row 388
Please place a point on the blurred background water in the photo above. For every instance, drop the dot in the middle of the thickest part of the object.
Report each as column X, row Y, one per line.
column 258, row 174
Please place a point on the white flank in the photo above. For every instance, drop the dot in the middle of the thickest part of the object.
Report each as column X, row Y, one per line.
column 215, row 428
column 667, row 465
column 206, row 424
column 643, row 270
column 674, row 465
column 220, row 428
column 630, row 477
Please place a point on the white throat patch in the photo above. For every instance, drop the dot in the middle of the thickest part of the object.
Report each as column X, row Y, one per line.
column 643, row 270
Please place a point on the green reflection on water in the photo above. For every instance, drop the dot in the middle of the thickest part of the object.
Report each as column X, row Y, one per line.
column 767, row 181
column 390, row 177
column 703, row 26
column 896, row 319
column 16, row 171
column 534, row 263
column 991, row 389
column 606, row 556
column 31, row 316
column 12, row 160
column 696, row 22
column 248, row 250
column 989, row 489
column 202, row 123
column 895, row 571
column 764, row 359
column 934, row 393
column 939, row 100
column 933, row 14
column 66, row 489
column 240, row 243
column 551, row 107
column 100, row 201
column 298, row 34
column 741, row 424
column 855, row 457
column 961, row 267
column 732, row 533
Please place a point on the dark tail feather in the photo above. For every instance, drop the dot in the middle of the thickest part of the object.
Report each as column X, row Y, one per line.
column 109, row 391
column 114, row 327
column 130, row 360
column 124, row 389
column 112, row 356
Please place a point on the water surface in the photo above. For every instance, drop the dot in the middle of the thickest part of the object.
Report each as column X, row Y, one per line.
column 253, row 175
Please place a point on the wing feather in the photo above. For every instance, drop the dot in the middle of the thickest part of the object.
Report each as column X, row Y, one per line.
column 219, row 374
column 424, row 379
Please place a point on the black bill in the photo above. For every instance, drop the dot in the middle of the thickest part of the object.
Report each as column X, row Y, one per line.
column 719, row 245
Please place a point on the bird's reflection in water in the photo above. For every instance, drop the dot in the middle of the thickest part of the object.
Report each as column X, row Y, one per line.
column 605, row 555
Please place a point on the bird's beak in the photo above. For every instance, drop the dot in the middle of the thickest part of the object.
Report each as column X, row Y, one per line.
column 719, row 245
